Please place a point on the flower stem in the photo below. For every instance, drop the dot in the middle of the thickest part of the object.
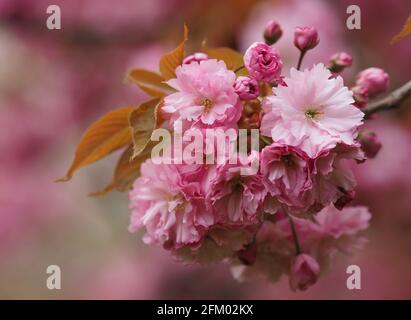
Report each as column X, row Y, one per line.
column 300, row 59
column 295, row 236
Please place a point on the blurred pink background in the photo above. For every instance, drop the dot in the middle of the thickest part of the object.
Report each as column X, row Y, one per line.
column 54, row 83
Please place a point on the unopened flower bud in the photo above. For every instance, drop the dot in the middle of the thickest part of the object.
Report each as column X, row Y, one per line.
column 272, row 32
column 370, row 144
column 195, row 57
column 263, row 62
column 339, row 62
column 304, row 272
column 375, row 80
column 306, row 38
column 360, row 95
column 246, row 88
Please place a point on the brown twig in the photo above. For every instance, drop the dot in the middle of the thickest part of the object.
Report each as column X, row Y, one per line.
column 392, row 101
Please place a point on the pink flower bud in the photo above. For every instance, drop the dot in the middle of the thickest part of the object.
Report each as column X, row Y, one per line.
column 370, row 144
column 246, row 88
column 272, row 32
column 263, row 62
column 195, row 57
column 340, row 61
column 360, row 95
column 375, row 80
column 306, row 38
column 304, row 272
column 344, row 199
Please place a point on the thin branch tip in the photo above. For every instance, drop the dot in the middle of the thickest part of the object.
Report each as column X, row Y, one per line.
column 389, row 102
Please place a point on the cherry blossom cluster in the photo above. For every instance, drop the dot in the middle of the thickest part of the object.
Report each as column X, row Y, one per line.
column 290, row 215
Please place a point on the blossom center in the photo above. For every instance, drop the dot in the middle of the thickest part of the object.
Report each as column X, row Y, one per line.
column 237, row 184
column 287, row 159
column 178, row 199
column 207, row 103
column 312, row 113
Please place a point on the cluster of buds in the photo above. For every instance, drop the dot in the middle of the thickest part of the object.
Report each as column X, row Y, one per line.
column 369, row 82
column 264, row 65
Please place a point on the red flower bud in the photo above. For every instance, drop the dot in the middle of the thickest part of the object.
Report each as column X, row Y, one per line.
column 272, row 32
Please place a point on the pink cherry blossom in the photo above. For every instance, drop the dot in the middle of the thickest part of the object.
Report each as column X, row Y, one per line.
column 168, row 207
column 334, row 223
column 313, row 112
column 303, row 186
column 205, row 96
column 287, row 173
column 263, row 62
column 237, row 196
column 332, row 179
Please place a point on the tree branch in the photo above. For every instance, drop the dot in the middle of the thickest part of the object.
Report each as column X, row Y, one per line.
column 392, row 101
